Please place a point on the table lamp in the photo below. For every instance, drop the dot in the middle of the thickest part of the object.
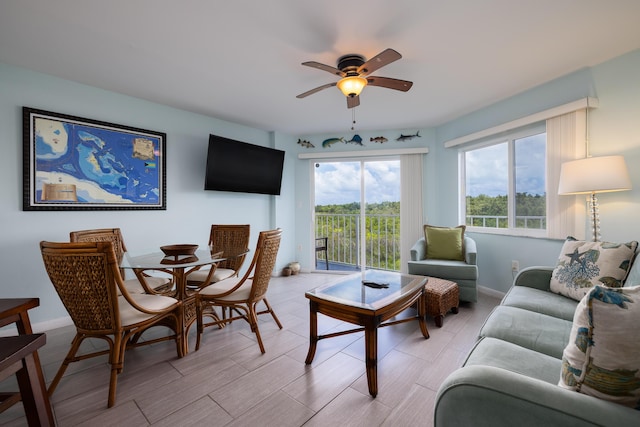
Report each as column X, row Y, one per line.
column 594, row 175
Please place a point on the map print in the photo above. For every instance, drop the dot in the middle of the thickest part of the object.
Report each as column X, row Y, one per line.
column 79, row 163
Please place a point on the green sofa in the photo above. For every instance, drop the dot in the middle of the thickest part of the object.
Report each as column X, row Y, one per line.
column 510, row 377
column 464, row 273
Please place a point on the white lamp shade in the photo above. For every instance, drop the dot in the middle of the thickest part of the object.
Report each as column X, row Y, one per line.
column 594, row 175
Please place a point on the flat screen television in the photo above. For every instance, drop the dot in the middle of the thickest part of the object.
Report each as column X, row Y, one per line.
column 241, row 167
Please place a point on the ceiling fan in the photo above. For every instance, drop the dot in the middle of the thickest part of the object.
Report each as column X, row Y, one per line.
column 354, row 71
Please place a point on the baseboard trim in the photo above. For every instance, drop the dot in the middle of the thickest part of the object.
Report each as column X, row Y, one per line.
column 39, row 326
column 491, row 292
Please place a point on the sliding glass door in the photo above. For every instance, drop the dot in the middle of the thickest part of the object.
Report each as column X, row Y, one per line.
column 357, row 210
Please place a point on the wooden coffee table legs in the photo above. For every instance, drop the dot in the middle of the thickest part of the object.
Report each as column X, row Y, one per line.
column 313, row 331
column 370, row 324
column 371, row 355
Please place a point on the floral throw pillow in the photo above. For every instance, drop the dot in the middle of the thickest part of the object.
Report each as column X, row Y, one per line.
column 602, row 358
column 582, row 265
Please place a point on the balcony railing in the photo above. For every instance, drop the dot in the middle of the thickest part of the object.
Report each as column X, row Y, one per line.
column 502, row 221
column 382, row 239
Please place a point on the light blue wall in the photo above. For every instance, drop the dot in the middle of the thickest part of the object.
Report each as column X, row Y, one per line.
column 615, row 129
column 190, row 209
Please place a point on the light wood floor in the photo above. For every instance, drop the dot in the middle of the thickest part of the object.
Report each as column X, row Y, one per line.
column 228, row 382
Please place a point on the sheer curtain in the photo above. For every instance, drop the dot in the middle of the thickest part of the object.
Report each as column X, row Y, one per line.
column 566, row 140
column 411, row 219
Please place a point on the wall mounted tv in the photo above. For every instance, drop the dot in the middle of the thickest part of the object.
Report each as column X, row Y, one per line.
column 242, row 167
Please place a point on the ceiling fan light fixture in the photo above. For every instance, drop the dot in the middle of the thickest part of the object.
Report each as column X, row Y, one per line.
column 352, row 85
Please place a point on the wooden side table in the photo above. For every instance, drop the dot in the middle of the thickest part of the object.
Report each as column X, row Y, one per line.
column 15, row 310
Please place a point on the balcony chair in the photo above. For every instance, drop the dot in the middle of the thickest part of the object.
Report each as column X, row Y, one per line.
column 437, row 262
column 233, row 242
column 321, row 246
column 241, row 295
column 87, row 278
column 153, row 285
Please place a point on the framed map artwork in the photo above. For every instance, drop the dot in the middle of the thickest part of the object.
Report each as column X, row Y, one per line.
column 71, row 163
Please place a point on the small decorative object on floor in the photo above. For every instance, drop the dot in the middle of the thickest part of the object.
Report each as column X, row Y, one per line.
column 286, row 271
column 295, row 267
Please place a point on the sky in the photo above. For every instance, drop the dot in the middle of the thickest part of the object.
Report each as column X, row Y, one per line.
column 339, row 182
column 487, row 168
column 487, row 173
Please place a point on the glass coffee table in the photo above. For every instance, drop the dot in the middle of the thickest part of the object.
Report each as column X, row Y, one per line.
column 351, row 301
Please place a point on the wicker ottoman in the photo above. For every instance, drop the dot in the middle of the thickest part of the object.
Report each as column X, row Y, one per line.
column 442, row 296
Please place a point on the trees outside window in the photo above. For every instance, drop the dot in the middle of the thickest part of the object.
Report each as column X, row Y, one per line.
column 504, row 184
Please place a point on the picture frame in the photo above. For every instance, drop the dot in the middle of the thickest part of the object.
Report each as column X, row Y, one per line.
column 75, row 163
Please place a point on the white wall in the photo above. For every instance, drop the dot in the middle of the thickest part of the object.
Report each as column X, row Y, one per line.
column 190, row 209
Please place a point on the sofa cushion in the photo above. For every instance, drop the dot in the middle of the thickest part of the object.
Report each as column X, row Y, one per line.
column 540, row 301
column 535, row 331
column 602, row 358
column 582, row 265
column 445, row 242
column 505, row 355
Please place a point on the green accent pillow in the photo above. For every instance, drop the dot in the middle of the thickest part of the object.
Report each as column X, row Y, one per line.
column 445, row 242
column 582, row 265
column 602, row 358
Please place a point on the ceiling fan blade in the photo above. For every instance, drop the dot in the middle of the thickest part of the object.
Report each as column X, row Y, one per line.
column 389, row 83
column 318, row 89
column 380, row 60
column 353, row 101
column 324, row 67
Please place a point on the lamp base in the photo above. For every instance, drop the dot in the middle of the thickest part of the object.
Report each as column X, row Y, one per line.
column 595, row 217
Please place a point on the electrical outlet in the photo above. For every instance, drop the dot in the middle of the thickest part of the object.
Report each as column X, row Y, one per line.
column 515, row 265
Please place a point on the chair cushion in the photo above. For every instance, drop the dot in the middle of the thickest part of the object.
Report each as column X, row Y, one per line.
column 582, row 265
column 602, row 358
column 218, row 275
column 134, row 286
column 445, row 269
column 130, row 315
column 444, row 242
column 240, row 294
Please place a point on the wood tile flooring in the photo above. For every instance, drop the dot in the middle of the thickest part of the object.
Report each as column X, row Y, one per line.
column 228, row 382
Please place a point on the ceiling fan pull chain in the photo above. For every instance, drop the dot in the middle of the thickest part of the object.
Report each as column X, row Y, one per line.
column 353, row 118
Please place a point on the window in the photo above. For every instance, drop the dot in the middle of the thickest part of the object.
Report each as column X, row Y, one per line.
column 504, row 184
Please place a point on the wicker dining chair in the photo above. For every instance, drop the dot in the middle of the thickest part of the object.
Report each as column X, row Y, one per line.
column 233, row 241
column 151, row 285
column 87, row 279
column 241, row 295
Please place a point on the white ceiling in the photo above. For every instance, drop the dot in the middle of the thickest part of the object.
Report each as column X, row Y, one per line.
column 239, row 60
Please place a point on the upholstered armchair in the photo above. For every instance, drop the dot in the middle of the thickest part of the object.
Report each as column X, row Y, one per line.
column 463, row 272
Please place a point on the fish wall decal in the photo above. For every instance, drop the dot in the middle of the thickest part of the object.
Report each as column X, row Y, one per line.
column 408, row 137
column 329, row 142
column 305, row 143
column 357, row 139
column 380, row 139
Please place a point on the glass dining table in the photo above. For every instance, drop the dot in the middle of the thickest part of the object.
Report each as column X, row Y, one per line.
column 179, row 268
